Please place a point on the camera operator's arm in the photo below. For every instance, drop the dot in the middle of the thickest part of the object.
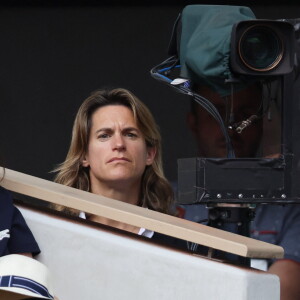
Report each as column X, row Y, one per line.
column 289, row 274
column 288, row 269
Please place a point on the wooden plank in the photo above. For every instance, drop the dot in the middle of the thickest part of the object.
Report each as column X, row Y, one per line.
column 138, row 216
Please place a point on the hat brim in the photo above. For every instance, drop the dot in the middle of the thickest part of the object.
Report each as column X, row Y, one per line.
column 12, row 293
column 23, row 277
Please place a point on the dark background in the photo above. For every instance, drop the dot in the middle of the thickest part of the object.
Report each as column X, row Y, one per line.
column 54, row 53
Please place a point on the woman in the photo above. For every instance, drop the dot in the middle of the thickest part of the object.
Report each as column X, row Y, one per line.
column 115, row 152
column 15, row 235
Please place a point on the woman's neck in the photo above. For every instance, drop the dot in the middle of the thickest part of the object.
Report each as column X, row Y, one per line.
column 128, row 194
column 125, row 193
column 113, row 223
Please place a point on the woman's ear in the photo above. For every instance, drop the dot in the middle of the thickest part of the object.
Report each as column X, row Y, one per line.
column 85, row 162
column 151, row 152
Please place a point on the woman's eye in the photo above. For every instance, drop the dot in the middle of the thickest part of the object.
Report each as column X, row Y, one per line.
column 131, row 135
column 103, row 136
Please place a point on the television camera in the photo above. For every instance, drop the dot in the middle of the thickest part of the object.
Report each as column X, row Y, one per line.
column 227, row 49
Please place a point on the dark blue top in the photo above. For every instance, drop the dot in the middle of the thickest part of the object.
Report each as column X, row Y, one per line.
column 15, row 235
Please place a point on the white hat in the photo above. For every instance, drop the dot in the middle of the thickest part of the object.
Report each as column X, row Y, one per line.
column 23, row 276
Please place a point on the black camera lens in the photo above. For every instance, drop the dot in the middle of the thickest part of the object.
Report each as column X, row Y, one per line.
column 260, row 48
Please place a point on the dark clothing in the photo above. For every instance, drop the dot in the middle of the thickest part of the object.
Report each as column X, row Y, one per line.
column 170, row 241
column 15, row 235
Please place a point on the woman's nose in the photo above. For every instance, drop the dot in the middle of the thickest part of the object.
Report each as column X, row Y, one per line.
column 119, row 143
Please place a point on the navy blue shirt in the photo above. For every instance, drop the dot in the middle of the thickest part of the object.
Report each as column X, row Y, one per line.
column 15, row 235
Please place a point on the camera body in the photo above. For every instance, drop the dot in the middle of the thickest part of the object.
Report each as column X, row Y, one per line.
column 226, row 49
column 264, row 50
column 236, row 181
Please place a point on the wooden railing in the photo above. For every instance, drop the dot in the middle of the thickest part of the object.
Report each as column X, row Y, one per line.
column 138, row 216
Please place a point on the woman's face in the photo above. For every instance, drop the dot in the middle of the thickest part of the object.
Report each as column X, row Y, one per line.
column 117, row 154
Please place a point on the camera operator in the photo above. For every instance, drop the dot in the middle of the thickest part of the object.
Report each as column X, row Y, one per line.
column 274, row 224
column 223, row 55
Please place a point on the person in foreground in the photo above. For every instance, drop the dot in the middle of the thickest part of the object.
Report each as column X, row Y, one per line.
column 20, row 274
column 15, row 235
column 115, row 152
column 274, row 224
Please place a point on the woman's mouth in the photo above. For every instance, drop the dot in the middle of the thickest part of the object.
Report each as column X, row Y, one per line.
column 118, row 159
